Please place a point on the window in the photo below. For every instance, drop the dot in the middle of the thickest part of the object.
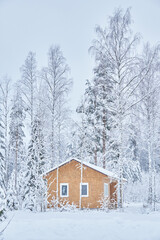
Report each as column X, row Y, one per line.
column 84, row 189
column 64, row 190
column 105, row 189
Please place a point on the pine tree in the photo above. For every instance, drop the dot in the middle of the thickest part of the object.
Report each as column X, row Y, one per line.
column 35, row 186
column 89, row 137
column 12, row 196
column 17, row 148
column 98, row 122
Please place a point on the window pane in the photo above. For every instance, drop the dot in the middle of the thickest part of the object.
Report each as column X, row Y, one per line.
column 64, row 190
column 106, row 190
column 84, row 189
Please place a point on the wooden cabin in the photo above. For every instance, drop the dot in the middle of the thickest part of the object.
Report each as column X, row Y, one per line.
column 82, row 184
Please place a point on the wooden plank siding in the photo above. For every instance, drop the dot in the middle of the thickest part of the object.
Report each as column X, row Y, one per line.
column 71, row 173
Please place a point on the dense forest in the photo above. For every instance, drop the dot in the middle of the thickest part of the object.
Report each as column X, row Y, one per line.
column 119, row 119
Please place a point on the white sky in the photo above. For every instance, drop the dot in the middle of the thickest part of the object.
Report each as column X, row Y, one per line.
column 37, row 24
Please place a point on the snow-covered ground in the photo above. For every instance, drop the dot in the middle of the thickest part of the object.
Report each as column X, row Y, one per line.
column 131, row 224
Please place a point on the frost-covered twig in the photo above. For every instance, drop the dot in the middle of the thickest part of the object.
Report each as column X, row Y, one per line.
column 6, row 226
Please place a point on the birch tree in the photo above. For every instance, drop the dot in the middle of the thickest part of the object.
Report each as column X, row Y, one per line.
column 150, row 112
column 57, row 86
column 63, row 128
column 116, row 45
column 4, row 101
column 28, row 83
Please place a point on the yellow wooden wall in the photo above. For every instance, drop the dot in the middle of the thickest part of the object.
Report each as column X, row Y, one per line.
column 71, row 173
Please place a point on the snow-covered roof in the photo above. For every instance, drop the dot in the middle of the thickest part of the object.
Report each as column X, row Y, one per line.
column 90, row 165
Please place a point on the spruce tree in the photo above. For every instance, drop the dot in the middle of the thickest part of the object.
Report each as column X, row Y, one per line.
column 35, row 186
column 17, row 149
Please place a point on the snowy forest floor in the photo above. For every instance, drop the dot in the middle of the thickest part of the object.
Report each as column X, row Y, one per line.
column 132, row 223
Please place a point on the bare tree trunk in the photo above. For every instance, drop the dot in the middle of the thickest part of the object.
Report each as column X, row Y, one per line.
column 57, row 192
column 5, row 88
column 120, row 161
column 16, row 160
column 104, row 145
column 52, row 141
column 80, row 201
column 95, row 131
column 150, row 190
column 6, row 142
column 32, row 103
column 154, row 190
column 82, row 156
column 95, row 155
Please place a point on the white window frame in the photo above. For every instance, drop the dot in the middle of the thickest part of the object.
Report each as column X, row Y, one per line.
column 81, row 184
column 108, row 189
column 64, row 184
